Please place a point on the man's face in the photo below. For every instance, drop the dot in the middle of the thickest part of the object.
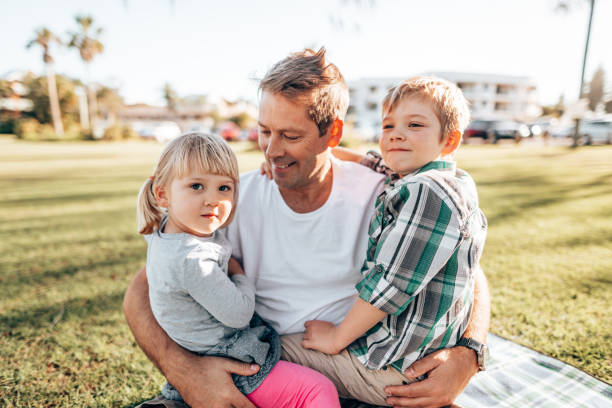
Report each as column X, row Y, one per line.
column 290, row 140
column 411, row 135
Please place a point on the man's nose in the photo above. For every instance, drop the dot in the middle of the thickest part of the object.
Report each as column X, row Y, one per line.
column 274, row 148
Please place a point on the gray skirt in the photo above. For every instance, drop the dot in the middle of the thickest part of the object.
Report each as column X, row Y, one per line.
column 258, row 343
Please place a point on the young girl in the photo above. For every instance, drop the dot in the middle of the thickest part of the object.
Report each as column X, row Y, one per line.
column 192, row 193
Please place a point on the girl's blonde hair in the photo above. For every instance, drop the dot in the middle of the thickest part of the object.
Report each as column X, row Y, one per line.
column 191, row 152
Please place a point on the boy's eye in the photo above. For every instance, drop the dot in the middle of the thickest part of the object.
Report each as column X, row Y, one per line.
column 225, row 188
column 197, row 186
column 413, row 124
column 387, row 126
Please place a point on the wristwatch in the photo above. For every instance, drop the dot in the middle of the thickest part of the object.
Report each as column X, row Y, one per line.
column 481, row 349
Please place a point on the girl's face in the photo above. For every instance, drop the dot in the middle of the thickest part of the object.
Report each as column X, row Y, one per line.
column 197, row 204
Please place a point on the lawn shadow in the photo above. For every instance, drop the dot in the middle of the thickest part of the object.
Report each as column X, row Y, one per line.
column 79, row 308
column 69, row 198
column 540, row 192
column 12, row 283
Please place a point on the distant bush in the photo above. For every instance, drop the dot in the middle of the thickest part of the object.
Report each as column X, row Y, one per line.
column 31, row 129
column 7, row 125
column 119, row 132
column 27, row 129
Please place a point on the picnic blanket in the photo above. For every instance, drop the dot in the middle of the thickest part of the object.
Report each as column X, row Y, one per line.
column 517, row 377
column 520, row 377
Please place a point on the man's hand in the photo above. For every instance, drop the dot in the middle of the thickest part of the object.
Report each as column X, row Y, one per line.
column 448, row 373
column 207, row 382
column 320, row 336
column 202, row 381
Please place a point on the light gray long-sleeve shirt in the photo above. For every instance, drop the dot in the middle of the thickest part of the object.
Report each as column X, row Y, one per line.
column 191, row 295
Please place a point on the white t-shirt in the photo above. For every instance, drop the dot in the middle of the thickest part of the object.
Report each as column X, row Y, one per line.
column 304, row 266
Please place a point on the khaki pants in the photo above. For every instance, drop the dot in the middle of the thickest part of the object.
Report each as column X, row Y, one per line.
column 351, row 378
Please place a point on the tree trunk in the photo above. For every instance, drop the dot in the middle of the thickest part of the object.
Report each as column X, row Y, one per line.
column 91, row 99
column 56, row 115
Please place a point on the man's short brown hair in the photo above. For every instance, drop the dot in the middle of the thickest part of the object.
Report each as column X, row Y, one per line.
column 450, row 106
column 308, row 77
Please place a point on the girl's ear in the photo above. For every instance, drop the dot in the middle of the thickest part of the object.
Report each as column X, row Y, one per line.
column 335, row 133
column 452, row 142
column 161, row 195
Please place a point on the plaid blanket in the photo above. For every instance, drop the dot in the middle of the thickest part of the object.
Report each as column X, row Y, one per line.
column 516, row 377
column 521, row 377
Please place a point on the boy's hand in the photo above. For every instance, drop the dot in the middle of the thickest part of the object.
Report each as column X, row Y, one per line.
column 265, row 169
column 320, row 336
column 234, row 267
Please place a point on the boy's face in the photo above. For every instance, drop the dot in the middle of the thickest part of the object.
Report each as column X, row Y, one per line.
column 411, row 135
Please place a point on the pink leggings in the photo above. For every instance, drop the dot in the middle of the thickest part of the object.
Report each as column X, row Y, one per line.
column 290, row 385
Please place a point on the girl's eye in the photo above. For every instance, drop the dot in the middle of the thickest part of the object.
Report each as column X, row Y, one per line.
column 387, row 126
column 197, row 186
column 415, row 124
column 225, row 188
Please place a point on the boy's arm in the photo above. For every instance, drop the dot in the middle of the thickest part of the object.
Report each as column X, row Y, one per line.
column 331, row 339
column 345, row 154
column 449, row 370
column 203, row 381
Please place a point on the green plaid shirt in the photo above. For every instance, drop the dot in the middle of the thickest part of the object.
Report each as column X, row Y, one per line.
column 425, row 240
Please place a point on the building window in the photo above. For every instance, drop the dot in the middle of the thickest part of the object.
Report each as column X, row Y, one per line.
column 373, row 88
column 372, row 106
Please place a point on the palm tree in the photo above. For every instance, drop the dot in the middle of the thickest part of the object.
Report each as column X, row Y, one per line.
column 170, row 96
column 86, row 41
column 44, row 38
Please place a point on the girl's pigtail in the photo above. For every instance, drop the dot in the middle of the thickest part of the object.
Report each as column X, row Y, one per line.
column 150, row 214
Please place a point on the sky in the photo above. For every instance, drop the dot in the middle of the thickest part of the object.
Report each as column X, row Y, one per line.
column 220, row 48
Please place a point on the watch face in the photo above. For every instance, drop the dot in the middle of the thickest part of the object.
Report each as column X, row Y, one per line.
column 484, row 357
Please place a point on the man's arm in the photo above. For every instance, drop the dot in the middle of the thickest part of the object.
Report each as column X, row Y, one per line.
column 202, row 381
column 449, row 370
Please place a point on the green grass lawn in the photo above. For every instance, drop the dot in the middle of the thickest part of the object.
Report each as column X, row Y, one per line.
column 69, row 247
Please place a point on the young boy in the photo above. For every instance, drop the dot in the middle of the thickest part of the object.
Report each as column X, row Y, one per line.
column 425, row 241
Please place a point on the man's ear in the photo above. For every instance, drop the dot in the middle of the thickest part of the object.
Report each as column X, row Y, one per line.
column 161, row 196
column 335, row 133
column 452, row 142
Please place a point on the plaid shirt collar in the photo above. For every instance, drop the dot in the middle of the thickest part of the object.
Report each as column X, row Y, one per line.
column 442, row 165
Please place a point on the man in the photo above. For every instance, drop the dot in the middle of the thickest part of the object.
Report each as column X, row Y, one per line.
column 301, row 239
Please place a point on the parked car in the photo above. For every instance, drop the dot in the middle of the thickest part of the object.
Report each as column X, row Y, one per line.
column 162, row 131
column 253, row 135
column 478, row 128
column 591, row 131
column 229, row 131
column 493, row 130
column 596, row 131
column 507, row 129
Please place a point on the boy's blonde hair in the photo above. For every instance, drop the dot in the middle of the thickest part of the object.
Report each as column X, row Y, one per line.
column 450, row 106
column 308, row 77
column 190, row 152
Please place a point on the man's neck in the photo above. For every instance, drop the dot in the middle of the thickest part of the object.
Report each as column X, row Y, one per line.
column 312, row 196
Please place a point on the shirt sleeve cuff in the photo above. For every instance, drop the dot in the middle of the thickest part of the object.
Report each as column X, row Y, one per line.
column 382, row 294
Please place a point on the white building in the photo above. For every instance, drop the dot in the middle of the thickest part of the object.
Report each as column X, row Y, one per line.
column 490, row 97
